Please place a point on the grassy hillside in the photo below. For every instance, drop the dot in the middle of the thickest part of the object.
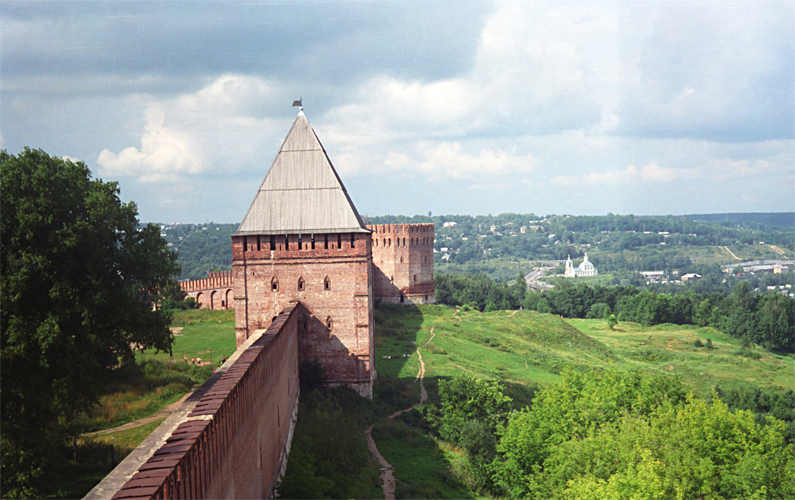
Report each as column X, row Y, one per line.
column 527, row 347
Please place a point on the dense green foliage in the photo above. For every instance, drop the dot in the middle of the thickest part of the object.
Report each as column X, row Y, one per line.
column 201, row 248
column 80, row 279
column 479, row 291
column 613, row 435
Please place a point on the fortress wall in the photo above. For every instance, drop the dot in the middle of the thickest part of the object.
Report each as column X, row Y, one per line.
column 334, row 279
column 403, row 260
column 234, row 441
column 214, row 292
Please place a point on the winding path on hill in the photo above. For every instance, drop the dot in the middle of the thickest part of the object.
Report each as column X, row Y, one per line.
column 387, row 476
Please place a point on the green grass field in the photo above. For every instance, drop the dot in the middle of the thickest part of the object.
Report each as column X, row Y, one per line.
column 200, row 333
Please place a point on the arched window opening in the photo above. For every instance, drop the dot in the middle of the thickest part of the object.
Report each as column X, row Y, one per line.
column 301, row 284
column 390, row 242
column 415, row 278
column 327, row 283
column 274, row 284
column 329, row 324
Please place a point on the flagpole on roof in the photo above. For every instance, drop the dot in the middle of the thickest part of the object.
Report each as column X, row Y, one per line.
column 299, row 103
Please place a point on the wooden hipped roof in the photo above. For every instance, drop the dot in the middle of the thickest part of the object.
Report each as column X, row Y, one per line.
column 302, row 192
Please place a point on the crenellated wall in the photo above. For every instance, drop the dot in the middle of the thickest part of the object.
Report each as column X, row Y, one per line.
column 232, row 438
column 403, row 263
column 213, row 292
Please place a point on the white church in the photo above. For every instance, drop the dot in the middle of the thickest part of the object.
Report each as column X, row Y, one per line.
column 584, row 269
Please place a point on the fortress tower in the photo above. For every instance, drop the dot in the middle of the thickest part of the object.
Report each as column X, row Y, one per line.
column 303, row 240
column 403, row 263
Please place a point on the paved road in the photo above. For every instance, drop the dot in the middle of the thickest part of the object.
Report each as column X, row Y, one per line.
column 532, row 279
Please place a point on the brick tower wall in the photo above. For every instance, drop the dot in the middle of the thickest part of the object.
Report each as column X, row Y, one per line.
column 403, row 262
column 330, row 274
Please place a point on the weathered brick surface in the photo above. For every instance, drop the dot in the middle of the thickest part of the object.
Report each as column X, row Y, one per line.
column 403, row 261
column 332, row 280
column 234, row 442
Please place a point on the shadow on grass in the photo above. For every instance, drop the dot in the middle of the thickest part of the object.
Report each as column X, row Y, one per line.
column 397, row 329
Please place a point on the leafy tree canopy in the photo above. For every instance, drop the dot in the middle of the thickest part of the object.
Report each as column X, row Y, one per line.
column 81, row 280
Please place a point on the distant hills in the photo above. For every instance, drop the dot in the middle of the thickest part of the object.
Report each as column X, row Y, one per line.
column 779, row 219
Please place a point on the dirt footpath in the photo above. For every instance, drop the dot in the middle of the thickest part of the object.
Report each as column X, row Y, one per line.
column 387, row 477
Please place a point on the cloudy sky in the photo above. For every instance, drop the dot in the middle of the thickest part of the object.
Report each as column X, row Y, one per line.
column 454, row 107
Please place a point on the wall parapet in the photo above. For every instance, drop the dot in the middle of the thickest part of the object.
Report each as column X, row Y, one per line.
column 218, row 279
column 225, row 441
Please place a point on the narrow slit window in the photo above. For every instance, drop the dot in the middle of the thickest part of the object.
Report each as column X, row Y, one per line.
column 339, row 241
column 245, row 244
column 313, row 242
column 329, row 324
column 353, row 242
column 259, row 247
column 286, row 242
column 274, row 284
column 301, row 284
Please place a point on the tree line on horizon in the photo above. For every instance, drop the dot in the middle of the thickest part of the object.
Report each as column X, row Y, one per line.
column 764, row 319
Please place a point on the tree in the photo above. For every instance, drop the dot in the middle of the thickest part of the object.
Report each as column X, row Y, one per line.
column 612, row 321
column 464, row 399
column 81, row 282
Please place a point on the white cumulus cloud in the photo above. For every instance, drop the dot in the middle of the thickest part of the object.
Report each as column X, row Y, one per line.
column 218, row 128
